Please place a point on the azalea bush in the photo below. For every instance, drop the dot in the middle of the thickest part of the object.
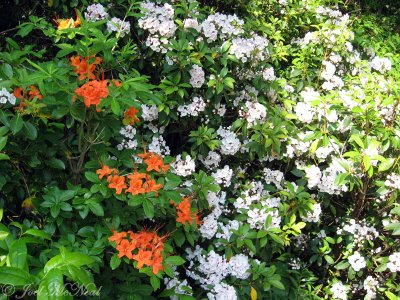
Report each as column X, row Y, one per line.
column 156, row 149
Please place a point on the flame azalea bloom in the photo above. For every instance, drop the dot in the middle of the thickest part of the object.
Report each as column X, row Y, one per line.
column 117, row 182
column 154, row 162
column 125, row 248
column 93, row 91
column 116, row 82
column 68, row 23
column 34, row 93
column 19, row 93
column 157, row 264
column 130, row 115
column 152, row 186
column 143, row 257
column 83, row 68
column 117, row 237
column 106, row 171
column 135, row 187
column 184, row 213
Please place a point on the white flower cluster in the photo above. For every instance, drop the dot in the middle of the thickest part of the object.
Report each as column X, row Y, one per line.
column 196, row 76
column 254, row 49
column 129, row 142
column 253, row 112
column 180, row 287
column 222, row 26
column 273, row 176
column 149, row 112
column 191, row 23
column 268, row 74
column 332, row 80
column 393, row 181
column 382, row 65
column 339, row 291
column 313, row 216
column 211, row 268
column 258, row 216
column 197, row 106
column 252, row 194
column 394, row 262
column 159, row 146
column 370, row 285
column 5, row 97
column 223, row 176
column 230, row 144
column 95, row 12
column 360, row 231
column 212, row 160
column 159, row 21
column 356, row 261
column 183, row 167
column 304, row 110
column 121, row 27
column 225, row 231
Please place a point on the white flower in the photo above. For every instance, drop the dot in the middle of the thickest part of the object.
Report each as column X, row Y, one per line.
column 356, row 261
column 5, row 97
column 223, row 176
column 394, row 262
column 381, row 64
column 239, row 266
column 197, row 76
column 149, row 112
column 119, row 26
column 339, row 291
column 95, row 12
column 183, row 167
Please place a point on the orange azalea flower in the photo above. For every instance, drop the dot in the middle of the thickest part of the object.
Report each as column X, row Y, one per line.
column 117, row 237
column 157, row 264
column 143, row 257
column 105, row 171
column 93, row 91
column 155, row 162
column 34, row 93
column 184, row 213
column 130, row 115
column 83, row 68
column 125, row 248
column 19, row 93
column 135, row 187
column 68, row 23
column 116, row 82
column 152, row 186
column 117, row 182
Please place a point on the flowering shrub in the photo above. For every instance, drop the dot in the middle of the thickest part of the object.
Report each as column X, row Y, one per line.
column 164, row 149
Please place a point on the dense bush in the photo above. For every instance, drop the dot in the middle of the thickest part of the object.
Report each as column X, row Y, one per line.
column 156, row 149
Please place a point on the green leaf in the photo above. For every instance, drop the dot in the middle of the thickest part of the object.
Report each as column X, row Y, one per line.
column 175, row 260
column 78, row 112
column 4, row 156
column 391, row 296
column 81, row 276
column 68, row 258
column 277, row 283
column 92, row 177
column 173, row 182
column 329, row 259
column 18, row 254
column 3, row 235
column 15, row 276
column 383, row 166
column 148, row 208
column 155, row 282
column 30, row 131
column 114, row 262
column 1, row 214
column 3, row 142
column 51, row 286
column 96, row 208
column 56, row 163
column 38, row 233
column 342, row 265
column 115, row 107
column 16, row 124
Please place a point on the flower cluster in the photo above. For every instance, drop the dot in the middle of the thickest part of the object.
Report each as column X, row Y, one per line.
column 93, row 92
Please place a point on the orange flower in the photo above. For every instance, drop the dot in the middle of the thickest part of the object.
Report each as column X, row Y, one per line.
column 130, row 115
column 117, row 182
column 117, row 237
column 157, row 264
column 152, row 186
column 184, row 213
column 93, row 91
column 125, row 248
column 135, row 187
column 68, row 23
column 19, row 93
column 83, row 68
column 143, row 257
column 105, row 171
column 116, row 82
column 153, row 162
column 34, row 93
